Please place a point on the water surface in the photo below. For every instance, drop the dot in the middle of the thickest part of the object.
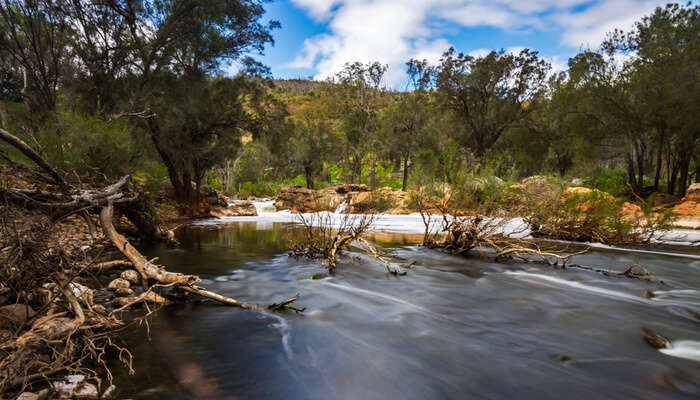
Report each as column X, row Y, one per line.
column 453, row 328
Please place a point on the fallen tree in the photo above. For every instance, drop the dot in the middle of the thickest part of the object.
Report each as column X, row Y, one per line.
column 55, row 324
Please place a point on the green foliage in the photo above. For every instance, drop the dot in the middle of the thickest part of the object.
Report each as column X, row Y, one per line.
column 595, row 217
column 91, row 145
column 613, row 181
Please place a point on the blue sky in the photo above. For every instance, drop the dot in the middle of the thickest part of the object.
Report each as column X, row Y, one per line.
column 318, row 36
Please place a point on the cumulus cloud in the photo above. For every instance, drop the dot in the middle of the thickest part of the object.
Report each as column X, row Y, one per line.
column 393, row 31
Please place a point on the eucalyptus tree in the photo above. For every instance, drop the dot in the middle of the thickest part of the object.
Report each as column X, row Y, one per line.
column 663, row 64
column 404, row 121
column 359, row 97
column 490, row 94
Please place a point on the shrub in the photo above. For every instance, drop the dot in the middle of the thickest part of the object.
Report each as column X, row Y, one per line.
column 595, row 216
column 613, row 181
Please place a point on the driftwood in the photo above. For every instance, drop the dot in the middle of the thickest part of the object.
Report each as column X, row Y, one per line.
column 148, row 270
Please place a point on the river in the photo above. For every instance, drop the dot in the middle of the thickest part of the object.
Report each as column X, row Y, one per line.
column 453, row 328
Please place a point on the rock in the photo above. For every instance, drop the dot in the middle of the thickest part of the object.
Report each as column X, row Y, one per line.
column 562, row 358
column 319, row 275
column 236, row 209
column 75, row 387
column 665, row 200
column 124, row 292
column 297, row 199
column 344, row 188
column 15, row 314
column 631, row 210
column 693, row 193
column 654, row 339
column 28, row 396
column 118, row 283
column 688, row 214
column 82, row 293
column 130, row 275
column 577, row 190
column 100, row 309
column 577, row 181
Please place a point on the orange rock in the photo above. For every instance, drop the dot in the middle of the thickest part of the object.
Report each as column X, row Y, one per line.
column 631, row 210
column 693, row 193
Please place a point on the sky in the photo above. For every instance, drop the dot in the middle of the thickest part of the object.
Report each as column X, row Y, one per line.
column 319, row 36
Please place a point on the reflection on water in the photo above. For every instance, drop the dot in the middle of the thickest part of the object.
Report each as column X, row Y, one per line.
column 452, row 328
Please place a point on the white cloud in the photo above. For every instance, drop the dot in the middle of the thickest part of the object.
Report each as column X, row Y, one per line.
column 393, row 31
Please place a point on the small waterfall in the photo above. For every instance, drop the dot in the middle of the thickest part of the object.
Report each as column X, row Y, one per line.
column 342, row 207
column 264, row 206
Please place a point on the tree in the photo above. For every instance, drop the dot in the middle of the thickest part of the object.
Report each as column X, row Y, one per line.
column 358, row 99
column 489, row 94
column 405, row 120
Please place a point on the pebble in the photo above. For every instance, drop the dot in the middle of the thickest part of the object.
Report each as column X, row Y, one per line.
column 124, row 292
column 118, row 283
column 130, row 275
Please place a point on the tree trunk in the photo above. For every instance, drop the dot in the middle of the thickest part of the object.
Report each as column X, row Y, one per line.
column 683, row 181
column 659, row 161
column 405, row 173
column 308, row 173
column 631, row 178
column 672, row 180
column 640, row 164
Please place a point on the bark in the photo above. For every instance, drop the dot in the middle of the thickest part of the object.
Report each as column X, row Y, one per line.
column 146, row 269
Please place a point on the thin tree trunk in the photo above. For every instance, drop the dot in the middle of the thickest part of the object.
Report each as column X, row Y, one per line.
column 659, row 161
column 404, row 185
column 309, row 177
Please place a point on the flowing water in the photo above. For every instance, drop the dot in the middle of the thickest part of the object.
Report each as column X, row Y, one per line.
column 453, row 328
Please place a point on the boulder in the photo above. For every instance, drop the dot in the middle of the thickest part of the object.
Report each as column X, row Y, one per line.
column 688, row 214
column 15, row 314
column 300, row 199
column 693, row 193
column 235, row 209
column 119, row 283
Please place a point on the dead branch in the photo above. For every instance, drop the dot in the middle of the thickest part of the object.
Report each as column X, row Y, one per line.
column 323, row 238
column 32, row 155
column 387, row 263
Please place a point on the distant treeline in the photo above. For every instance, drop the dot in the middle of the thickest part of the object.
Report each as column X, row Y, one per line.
column 106, row 88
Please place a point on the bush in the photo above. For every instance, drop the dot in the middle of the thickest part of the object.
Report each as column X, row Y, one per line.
column 613, row 181
column 595, row 216
column 91, row 145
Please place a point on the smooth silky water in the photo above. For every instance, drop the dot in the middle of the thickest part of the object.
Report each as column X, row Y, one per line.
column 453, row 328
